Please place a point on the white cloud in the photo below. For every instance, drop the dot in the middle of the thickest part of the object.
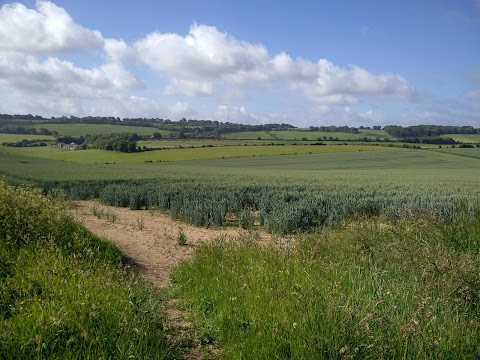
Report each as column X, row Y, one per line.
column 62, row 78
column 203, row 53
column 204, row 59
column 180, row 109
column 49, row 28
column 190, row 87
column 357, row 81
column 117, row 50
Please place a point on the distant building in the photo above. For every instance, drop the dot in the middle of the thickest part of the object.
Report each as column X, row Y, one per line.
column 71, row 146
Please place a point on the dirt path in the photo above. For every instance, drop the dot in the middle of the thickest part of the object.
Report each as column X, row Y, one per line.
column 149, row 239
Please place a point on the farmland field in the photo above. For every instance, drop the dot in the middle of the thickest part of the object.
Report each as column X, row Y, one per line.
column 96, row 129
column 20, row 137
column 466, row 138
column 298, row 191
column 373, row 254
column 306, row 168
column 171, row 143
column 309, row 135
column 177, row 154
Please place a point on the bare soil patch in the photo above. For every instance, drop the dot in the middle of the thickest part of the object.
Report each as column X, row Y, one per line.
column 148, row 238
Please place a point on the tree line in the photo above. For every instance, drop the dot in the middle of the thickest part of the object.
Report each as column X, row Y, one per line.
column 419, row 131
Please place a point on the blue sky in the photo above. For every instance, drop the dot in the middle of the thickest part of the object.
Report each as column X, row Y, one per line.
column 300, row 62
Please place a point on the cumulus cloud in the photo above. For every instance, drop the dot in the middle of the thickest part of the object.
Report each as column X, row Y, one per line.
column 118, row 50
column 206, row 58
column 357, row 81
column 62, row 78
column 30, row 37
column 204, row 52
column 48, row 28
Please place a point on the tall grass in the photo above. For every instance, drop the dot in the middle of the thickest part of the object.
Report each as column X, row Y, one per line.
column 65, row 293
column 374, row 290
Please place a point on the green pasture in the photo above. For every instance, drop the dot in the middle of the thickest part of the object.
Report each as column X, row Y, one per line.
column 362, row 168
column 250, row 135
column 172, row 143
column 179, row 154
column 19, row 137
column 296, row 135
column 96, row 129
column 386, row 160
column 466, row 138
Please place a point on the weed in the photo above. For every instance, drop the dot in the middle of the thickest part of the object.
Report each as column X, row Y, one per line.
column 140, row 223
column 181, row 238
column 104, row 213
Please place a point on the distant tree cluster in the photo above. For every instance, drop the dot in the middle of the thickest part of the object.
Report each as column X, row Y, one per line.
column 418, row 131
column 429, row 140
column 25, row 143
column 23, row 117
column 342, row 129
column 123, row 142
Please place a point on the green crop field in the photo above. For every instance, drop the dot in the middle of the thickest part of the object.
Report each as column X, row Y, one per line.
column 177, row 154
column 251, row 135
column 466, row 138
column 309, row 135
column 383, row 165
column 96, row 129
column 19, row 137
column 473, row 153
column 329, row 186
column 170, row 143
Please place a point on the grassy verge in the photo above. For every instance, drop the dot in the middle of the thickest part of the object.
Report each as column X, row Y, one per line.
column 65, row 293
column 376, row 290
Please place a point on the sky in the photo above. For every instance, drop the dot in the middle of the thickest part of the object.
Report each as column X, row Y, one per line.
column 305, row 63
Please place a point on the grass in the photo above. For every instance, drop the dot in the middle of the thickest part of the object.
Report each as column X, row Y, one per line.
column 372, row 290
column 103, row 213
column 365, row 169
column 172, row 143
column 309, row 135
column 251, row 135
column 104, row 156
column 65, row 293
column 466, row 138
column 20, row 137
